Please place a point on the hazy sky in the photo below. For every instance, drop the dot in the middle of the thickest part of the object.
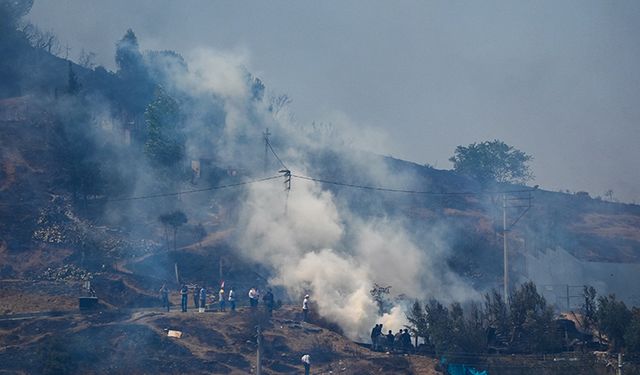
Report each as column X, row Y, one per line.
column 559, row 80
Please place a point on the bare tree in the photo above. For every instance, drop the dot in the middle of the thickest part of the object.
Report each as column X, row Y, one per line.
column 46, row 41
column 87, row 59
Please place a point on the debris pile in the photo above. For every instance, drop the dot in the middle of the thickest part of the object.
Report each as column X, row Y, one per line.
column 57, row 223
column 68, row 272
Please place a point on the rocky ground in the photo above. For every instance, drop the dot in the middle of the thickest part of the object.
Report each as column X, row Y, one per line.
column 131, row 342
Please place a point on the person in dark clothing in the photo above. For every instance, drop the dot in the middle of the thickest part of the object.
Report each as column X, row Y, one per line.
column 397, row 341
column 196, row 296
column 375, row 332
column 390, row 338
column 406, row 340
column 253, row 297
column 306, row 361
column 184, row 293
column 164, row 295
column 268, row 301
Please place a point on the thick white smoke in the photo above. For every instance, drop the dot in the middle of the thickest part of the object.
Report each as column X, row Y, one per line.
column 307, row 249
column 309, row 239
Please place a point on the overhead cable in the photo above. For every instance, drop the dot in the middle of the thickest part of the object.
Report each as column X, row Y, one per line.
column 391, row 190
column 218, row 187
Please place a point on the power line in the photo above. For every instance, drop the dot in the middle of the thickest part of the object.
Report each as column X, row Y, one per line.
column 391, row 190
column 193, row 191
column 275, row 154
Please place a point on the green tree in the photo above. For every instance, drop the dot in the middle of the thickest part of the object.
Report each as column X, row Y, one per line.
column 632, row 333
column 613, row 318
column 532, row 321
column 492, row 161
column 418, row 324
column 497, row 316
column 128, row 56
column 467, row 335
column 175, row 220
column 589, row 307
column 135, row 89
column 165, row 145
column 440, row 326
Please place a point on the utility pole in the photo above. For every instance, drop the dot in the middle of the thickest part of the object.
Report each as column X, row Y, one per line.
column 507, row 227
column 619, row 363
column 505, row 256
column 259, row 353
column 266, row 135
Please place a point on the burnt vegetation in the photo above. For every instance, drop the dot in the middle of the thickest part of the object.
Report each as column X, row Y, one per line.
column 93, row 163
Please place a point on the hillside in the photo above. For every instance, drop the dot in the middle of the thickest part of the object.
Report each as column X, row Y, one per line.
column 161, row 173
column 137, row 342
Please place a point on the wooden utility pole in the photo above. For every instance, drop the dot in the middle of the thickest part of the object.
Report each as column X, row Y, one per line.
column 507, row 227
column 504, row 245
column 259, row 353
column 266, row 135
column 619, row 363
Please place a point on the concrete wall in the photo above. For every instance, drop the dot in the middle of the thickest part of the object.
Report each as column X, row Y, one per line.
column 557, row 274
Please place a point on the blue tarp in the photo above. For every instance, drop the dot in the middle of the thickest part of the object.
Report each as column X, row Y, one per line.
column 457, row 369
column 460, row 369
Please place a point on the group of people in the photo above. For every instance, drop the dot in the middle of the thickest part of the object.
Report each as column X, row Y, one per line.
column 200, row 301
column 268, row 299
column 400, row 342
column 200, row 295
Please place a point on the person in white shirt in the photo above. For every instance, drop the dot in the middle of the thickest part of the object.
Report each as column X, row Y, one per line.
column 232, row 300
column 305, row 308
column 306, row 361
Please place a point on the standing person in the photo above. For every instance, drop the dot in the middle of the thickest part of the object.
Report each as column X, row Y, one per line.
column 397, row 341
column 253, row 297
column 306, row 361
column 375, row 333
column 164, row 295
column 305, row 308
column 184, row 293
column 203, row 300
column 406, row 340
column 196, row 296
column 374, row 336
column 390, row 339
column 232, row 300
column 221, row 299
column 268, row 301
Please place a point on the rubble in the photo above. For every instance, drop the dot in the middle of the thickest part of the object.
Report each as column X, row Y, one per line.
column 67, row 272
